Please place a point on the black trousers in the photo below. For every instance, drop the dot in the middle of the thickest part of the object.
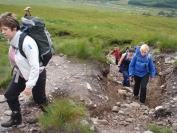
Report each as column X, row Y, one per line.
column 14, row 89
column 116, row 61
column 141, row 82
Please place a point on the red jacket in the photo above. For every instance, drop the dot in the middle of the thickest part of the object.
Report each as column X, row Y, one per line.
column 116, row 53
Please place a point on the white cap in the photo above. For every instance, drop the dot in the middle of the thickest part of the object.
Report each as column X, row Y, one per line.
column 27, row 8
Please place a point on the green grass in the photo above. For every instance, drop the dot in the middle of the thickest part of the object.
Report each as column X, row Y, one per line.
column 91, row 33
column 65, row 115
column 82, row 49
column 120, row 6
column 157, row 129
column 175, row 65
column 5, row 70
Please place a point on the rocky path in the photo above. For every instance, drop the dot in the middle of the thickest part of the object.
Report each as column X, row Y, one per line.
column 112, row 107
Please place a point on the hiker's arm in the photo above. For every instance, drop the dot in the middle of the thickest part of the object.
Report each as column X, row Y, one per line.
column 120, row 61
column 112, row 52
column 32, row 53
column 151, row 68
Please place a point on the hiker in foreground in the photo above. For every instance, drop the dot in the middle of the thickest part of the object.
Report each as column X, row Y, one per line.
column 29, row 78
column 123, row 65
column 116, row 53
column 142, row 67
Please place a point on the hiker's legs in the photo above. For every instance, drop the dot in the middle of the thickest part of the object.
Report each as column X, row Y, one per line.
column 116, row 61
column 38, row 90
column 137, row 85
column 144, row 81
column 126, row 80
column 11, row 94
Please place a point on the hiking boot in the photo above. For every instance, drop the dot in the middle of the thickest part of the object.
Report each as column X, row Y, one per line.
column 42, row 107
column 16, row 119
column 136, row 97
column 11, row 122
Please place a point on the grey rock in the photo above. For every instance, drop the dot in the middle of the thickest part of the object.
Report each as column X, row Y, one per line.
column 105, row 122
column 115, row 109
column 8, row 112
column 2, row 98
column 148, row 132
column 174, row 126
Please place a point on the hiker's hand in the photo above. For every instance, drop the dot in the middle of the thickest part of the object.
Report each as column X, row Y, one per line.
column 152, row 79
column 118, row 69
column 27, row 91
column 130, row 78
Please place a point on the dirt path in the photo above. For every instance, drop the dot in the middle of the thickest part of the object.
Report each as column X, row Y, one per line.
column 112, row 107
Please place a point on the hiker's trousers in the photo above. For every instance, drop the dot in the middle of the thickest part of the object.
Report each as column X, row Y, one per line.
column 141, row 82
column 14, row 89
column 126, row 81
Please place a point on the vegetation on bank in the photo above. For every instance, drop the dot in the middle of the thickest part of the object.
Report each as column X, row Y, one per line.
column 159, row 129
column 64, row 115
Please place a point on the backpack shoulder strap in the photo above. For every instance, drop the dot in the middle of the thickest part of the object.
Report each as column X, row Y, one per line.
column 126, row 54
column 21, row 39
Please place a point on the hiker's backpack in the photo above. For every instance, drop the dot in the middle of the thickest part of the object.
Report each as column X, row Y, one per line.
column 35, row 28
column 126, row 51
column 122, row 64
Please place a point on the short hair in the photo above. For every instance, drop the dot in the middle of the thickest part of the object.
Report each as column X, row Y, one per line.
column 10, row 20
column 144, row 47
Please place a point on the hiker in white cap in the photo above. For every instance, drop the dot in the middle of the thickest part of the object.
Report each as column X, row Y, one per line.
column 27, row 9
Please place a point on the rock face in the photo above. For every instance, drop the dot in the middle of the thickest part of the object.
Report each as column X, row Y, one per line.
column 112, row 106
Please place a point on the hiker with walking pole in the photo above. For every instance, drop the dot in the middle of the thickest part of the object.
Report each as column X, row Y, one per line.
column 29, row 78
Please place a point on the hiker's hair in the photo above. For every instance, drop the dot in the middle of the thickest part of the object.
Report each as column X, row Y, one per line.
column 131, row 50
column 9, row 19
column 144, row 47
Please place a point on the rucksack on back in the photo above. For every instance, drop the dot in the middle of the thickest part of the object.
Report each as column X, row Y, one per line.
column 35, row 28
column 121, row 52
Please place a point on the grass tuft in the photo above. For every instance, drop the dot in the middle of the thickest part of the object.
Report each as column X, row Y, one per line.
column 82, row 49
column 175, row 65
column 157, row 129
column 61, row 113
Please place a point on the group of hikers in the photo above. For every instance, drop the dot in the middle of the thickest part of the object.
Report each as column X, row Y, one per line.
column 136, row 63
column 30, row 77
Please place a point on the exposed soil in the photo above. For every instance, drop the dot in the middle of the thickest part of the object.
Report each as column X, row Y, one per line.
column 98, row 89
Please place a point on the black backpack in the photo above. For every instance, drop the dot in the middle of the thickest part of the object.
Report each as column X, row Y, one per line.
column 35, row 28
column 121, row 66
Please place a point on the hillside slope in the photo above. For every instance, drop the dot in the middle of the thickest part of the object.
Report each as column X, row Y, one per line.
column 155, row 3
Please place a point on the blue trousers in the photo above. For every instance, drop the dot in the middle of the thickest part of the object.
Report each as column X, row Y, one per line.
column 126, row 81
